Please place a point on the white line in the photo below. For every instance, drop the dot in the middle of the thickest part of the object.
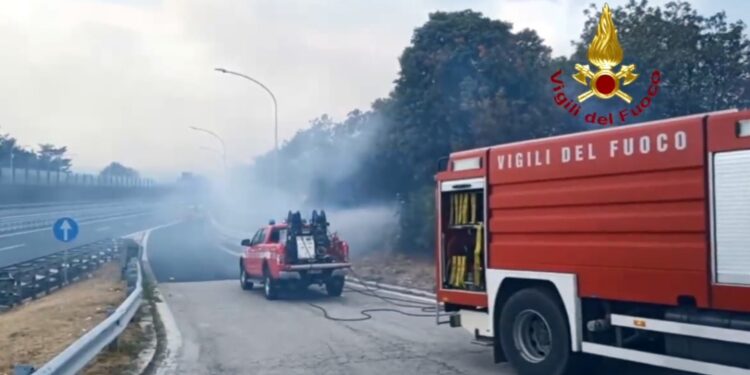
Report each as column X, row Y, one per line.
column 168, row 366
column 146, row 233
column 102, row 228
column 12, row 247
column 74, row 210
column 81, row 224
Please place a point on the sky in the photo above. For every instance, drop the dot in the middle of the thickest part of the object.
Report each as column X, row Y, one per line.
column 118, row 80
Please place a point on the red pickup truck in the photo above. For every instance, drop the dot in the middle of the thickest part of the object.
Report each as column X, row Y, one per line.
column 294, row 255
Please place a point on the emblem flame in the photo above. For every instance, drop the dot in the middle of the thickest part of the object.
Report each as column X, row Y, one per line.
column 605, row 53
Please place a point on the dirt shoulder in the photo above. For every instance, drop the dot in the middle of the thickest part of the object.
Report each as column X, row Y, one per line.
column 35, row 332
column 396, row 269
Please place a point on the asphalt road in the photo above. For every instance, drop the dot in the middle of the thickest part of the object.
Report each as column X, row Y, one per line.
column 226, row 330
column 29, row 244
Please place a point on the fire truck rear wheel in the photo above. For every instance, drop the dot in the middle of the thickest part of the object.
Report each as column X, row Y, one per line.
column 335, row 286
column 534, row 333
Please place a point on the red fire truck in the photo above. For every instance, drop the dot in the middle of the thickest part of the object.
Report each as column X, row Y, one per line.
column 630, row 242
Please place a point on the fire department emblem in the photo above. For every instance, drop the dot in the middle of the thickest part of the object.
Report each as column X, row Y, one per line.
column 605, row 53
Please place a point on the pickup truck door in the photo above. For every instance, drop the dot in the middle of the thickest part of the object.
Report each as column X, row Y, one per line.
column 252, row 258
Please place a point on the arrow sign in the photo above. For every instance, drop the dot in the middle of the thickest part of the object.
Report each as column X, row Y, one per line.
column 65, row 229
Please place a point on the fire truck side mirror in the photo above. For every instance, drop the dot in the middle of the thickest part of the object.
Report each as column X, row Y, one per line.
column 245, row 242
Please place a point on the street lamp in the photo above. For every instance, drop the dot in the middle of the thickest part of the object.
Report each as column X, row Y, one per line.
column 223, row 145
column 275, row 119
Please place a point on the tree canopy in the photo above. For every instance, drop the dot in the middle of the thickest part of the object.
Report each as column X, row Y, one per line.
column 704, row 60
column 49, row 157
column 115, row 169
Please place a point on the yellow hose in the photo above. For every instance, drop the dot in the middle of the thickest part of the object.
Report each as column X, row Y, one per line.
column 478, row 247
column 473, row 207
column 452, row 280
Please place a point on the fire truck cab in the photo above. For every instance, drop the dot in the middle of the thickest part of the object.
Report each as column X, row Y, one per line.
column 629, row 242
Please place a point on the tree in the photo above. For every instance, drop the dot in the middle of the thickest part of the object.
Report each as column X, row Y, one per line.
column 466, row 81
column 115, row 169
column 53, row 158
column 704, row 60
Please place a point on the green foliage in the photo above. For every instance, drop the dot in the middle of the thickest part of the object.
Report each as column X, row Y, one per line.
column 49, row 156
column 704, row 61
column 468, row 81
column 115, row 169
column 53, row 158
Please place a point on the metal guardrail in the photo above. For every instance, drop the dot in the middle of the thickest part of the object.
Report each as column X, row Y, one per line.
column 31, row 278
column 80, row 353
column 75, row 358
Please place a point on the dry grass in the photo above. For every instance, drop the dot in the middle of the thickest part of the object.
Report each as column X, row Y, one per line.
column 396, row 269
column 121, row 359
column 35, row 332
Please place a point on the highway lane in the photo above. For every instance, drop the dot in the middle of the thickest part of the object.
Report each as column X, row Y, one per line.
column 226, row 330
column 11, row 212
column 25, row 245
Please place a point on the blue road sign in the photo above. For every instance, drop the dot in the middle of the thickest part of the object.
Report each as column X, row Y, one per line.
column 65, row 229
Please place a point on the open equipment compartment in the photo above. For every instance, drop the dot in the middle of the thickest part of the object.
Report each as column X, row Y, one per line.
column 463, row 235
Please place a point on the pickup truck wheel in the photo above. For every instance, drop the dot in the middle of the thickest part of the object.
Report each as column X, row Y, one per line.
column 245, row 282
column 270, row 289
column 534, row 334
column 335, row 286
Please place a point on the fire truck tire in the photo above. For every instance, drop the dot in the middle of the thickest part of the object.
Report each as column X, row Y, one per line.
column 335, row 286
column 245, row 282
column 270, row 289
column 534, row 333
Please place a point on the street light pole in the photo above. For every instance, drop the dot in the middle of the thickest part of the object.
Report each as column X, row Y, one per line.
column 275, row 120
column 223, row 145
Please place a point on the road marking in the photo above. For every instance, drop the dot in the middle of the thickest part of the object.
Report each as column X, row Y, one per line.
column 102, row 228
column 168, row 365
column 146, row 233
column 81, row 223
column 75, row 209
column 12, row 247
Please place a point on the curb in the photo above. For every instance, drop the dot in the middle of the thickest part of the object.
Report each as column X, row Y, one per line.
column 147, row 354
column 394, row 288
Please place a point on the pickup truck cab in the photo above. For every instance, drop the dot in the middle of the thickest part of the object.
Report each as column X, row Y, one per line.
column 285, row 256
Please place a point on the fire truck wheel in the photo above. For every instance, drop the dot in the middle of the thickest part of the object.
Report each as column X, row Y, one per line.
column 534, row 333
column 270, row 289
column 245, row 282
column 335, row 286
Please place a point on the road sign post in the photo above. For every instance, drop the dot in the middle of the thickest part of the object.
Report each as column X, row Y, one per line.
column 65, row 229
